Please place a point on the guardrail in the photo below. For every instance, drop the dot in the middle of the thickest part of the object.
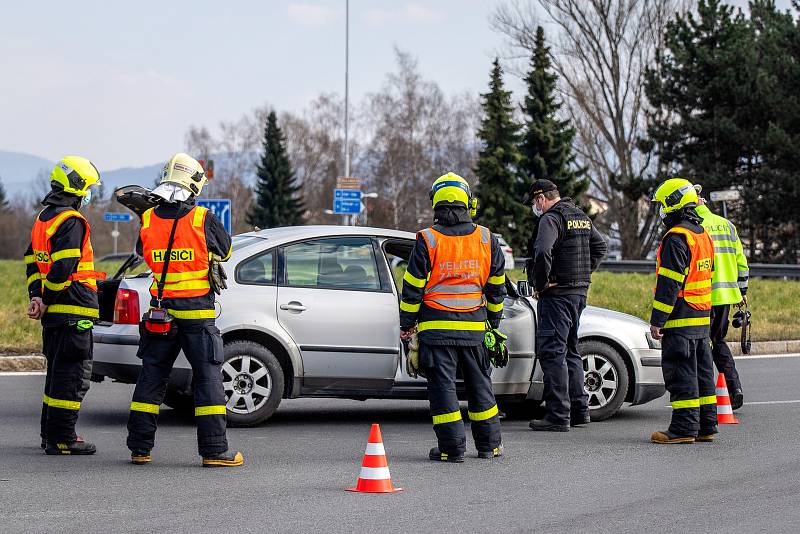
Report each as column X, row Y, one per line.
column 760, row 270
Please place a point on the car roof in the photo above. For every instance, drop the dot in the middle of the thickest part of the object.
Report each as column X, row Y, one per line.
column 292, row 233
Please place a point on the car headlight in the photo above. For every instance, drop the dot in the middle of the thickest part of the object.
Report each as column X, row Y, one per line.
column 651, row 341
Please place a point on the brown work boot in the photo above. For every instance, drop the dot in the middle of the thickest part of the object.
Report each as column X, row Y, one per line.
column 224, row 459
column 668, row 438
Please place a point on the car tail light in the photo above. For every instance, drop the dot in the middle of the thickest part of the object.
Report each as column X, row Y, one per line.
column 126, row 307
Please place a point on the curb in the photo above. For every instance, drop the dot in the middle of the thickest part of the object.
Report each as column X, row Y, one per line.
column 30, row 362
column 767, row 347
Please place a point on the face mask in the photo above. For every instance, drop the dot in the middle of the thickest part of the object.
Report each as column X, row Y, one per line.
column 536, row 209
column 87, row 199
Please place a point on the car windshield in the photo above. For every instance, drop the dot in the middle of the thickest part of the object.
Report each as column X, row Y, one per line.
column 242, row 241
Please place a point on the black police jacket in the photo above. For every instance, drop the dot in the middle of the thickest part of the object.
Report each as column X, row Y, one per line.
column 567, row 249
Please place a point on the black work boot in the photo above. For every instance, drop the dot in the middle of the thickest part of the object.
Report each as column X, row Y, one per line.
column 497, row 452
column 77, row 447
column 140, row 457
column 543, row 425
column 224, row 459
column 578, row 420
column 737, row 398
column 438, row 456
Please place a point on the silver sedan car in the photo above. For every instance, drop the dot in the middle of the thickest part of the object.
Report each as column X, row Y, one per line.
column 313, row 311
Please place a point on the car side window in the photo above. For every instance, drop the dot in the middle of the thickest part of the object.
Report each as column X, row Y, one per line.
column 258, row 270
column 332, row 263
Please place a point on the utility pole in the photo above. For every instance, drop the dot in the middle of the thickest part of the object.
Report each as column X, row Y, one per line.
column 346, row 85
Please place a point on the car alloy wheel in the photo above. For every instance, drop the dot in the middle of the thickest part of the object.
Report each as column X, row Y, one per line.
column 600, row 380
column 247, row 384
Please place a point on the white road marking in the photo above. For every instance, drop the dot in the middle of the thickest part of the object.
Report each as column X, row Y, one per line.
column 767, row 356
column 22, row 373
column 773, row 402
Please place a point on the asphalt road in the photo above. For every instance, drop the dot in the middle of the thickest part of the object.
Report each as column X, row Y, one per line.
column 603, row 478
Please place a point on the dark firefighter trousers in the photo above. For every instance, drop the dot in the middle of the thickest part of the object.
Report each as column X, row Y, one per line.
column 441, row 364
column 689, row 377
column 201, row 342
column 69, row 369
column 720, row 351
column 558, row 318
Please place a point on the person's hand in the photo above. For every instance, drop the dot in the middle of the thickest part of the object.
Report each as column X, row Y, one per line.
column 744, row 301
column 656, row 332
column 406, row 333
column 36, row 308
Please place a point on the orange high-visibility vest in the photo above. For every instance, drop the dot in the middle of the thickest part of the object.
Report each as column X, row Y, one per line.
column 696, row 290
column 44, row 257
column 460, row 268
column 187, row 274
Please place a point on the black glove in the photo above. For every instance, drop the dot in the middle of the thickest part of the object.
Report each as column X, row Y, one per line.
column 216, row 275
column 495, row 342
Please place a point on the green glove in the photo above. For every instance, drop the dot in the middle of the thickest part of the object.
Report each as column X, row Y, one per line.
column 495, row 342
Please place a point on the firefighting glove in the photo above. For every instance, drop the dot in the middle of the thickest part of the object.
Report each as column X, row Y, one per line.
column 495, row 342
column 216, row 275
column 412, row 358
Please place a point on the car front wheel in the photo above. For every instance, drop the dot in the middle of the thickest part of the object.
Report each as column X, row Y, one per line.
column 253, row 382
column 605, row 378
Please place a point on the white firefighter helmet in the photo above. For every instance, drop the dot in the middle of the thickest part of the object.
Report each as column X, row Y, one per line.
column 181, row 178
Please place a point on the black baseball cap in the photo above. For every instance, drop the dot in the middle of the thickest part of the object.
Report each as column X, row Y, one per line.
column 537, row 188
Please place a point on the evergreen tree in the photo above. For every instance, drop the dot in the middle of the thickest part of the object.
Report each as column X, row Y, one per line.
column 498, row 182
column 547, row 140
column 278, row 199
column 729, row 83
column 3, row 197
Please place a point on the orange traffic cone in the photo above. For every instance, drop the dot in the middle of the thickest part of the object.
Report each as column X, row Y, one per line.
column 374, row 476
column 724, row 410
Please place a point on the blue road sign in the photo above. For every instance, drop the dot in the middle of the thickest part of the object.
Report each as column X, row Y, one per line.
column 221, row 207
column 117, row 217
column 347, row 201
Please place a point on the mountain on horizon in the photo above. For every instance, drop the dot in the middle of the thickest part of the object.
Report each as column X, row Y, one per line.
column 19, row 172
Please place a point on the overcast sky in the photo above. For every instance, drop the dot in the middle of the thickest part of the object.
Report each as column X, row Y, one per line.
column 122, row 82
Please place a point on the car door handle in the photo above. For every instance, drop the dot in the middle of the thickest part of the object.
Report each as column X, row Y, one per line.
column 293, row 306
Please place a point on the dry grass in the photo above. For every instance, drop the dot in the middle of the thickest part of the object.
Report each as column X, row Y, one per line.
column 18, row 334
column 772, row 302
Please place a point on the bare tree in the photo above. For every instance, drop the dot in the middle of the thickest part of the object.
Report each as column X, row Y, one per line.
column 414, row 135
column 601, row 55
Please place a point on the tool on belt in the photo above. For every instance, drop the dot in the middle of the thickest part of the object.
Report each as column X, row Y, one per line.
column 495, row 342
column 157, row 321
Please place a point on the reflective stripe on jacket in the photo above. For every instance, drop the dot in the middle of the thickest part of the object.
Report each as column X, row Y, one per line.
column 459, row 269
column 689, row 310
column 731, row 272
column 187, row 274
column 44, row 257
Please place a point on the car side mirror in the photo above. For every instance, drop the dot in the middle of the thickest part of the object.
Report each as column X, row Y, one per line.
column 524, row 288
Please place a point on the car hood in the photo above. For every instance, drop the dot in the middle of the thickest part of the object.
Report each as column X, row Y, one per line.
column 605, row 314
column 595, row 314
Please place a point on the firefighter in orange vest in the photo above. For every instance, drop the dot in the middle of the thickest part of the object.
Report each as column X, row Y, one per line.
column 682, row 315
column 453, row 286
column 179, row 241
column 62, row 285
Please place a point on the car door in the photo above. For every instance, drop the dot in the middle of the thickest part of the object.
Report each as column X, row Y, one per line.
column 341, row 313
